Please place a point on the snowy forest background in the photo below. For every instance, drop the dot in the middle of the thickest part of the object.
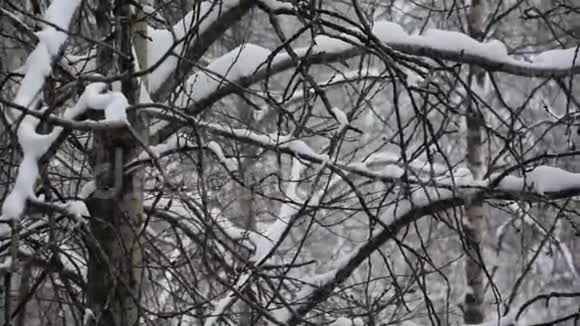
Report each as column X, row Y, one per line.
column 285, row 162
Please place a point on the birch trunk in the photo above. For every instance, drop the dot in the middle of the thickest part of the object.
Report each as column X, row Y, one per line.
column 473, row 219
column 115, row 250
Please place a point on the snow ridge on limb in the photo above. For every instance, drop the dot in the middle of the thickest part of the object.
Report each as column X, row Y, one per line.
column 37, row 68
column 239, row 63
column 50, row 41
column 35, row 145
column 175, row 143
column 539, row 181
column 114, row 104
column 277, row 4
column 230, row 163
column 164, row 46
column 434, row 43
column 490, row 55
column 385, row 167
column 343, row 122
column 209, row 23
column 163, row 41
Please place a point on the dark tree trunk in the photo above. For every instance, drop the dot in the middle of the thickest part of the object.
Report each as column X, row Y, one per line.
column 115, row 250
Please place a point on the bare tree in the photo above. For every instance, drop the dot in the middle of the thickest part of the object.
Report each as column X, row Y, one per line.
column 280, row 162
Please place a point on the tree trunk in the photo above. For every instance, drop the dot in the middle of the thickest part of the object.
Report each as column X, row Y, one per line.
column 115, row 251
column 473, row 220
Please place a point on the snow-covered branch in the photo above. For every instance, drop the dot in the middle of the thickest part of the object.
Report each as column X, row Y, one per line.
column 35, row 145
column 436, row 44
column 208, row 23
column 236, row 64
column 250, row 64
column 37, row 68
column 541, row 181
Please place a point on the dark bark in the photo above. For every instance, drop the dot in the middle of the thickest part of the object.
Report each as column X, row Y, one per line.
column 115, row 250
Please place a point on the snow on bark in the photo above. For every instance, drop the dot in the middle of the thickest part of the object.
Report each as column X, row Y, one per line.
column 173, row 143
column 336, row 79
column 340, row 117
column 73, row 261
column 300, row 148
column 164, row 42
column 35, row 145
column 114, row 104
column 490, row 55
column 544, row 179
column 78, row 209
column 38, row 67
column 558, row 58
column 328, row 44
column 87, row 190
column 241, row 62
column 390, row 32
column 277, row 4
column 451, row 41
column 230, row 163
column 438, row 40
column 440, row 172
column 50, row 40
column 540, row 180
column 434, row 42
column 60, row 13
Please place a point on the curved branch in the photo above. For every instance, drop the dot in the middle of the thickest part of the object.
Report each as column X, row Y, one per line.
column 203, row 40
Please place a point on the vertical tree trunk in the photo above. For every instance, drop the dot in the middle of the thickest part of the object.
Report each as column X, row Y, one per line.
column 115, row 253
column 473, row 220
